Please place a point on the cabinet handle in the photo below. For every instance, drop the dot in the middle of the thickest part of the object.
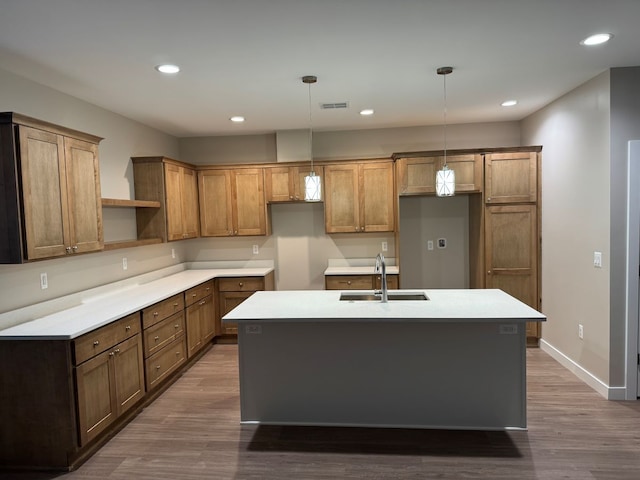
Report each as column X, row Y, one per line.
column 208, row 288
column 128, row 327
column 194, row 294
column 68, row 249
column 202, row 302
column 111, row 354
column 156, row 338
column 75, row 248
column 176, row 325
column 157, row 367
column 177, row 353
column 155, row 314
column 117, row 350
column 96, row 343
column 175, row 304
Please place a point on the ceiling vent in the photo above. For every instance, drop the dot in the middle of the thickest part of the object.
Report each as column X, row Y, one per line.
column 328, row 106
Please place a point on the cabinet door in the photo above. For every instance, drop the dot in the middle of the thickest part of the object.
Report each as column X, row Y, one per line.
column 249, row 207
column 194, row 324
column 173, row 186
column 208, row 319
column 417, row 175
column 97, row 404
column 44, row 187
column 128, row 368
column 214, row 190
column 511, row 177
column 467, row 169
column 190, row 212
column 342, row 207
column 511, row 251
column 377, row 198
column 83, row 187
column 279, row 184
column 229, row 301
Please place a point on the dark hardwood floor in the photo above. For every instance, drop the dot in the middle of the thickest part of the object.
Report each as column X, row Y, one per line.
column 193, row 432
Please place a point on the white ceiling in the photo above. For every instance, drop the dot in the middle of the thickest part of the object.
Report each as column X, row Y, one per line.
column 247, row 57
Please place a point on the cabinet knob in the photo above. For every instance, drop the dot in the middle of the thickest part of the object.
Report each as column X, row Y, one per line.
column 489, row 272
column 348, row 282
column 240, row 284
column 208, row 288
column 111, row 354
column 178, row 353
column 155, row 314
column 290, row 197
column 176, row 325
column 117, row 350
column 235, row 232
column 194, row 295
column 156, row 338
column 68, row 249
column 175, row 304
column 75, row 248
column 96, row 343
column 202, row 302
column 128, row 327
column 157, row 367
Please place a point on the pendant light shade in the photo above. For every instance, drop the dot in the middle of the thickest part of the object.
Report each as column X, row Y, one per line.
column 445, row 178
column 312, row 183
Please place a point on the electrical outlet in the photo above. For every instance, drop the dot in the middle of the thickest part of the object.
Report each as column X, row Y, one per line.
column 580, row 331
column 385, row 246
column 44, row 283
column 124, row 263
column 429, row 244
column 442, row 243
column 256, row 250
column 173, row 253
column 597, row 259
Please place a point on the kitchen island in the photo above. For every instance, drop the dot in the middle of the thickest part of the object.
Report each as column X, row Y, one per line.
column 454, row 361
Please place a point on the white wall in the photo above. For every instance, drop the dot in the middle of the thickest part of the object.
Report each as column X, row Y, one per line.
column 574, row 132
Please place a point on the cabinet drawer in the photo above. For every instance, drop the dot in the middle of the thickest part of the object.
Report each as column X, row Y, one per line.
column 165, row 361
column 392, row 282
column 198, row 292
column 349, row 282
column 93, row 343
column 241, row 284
column 163, row 333
column 162, row 310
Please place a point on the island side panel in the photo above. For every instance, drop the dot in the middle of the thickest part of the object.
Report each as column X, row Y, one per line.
column 383, row 374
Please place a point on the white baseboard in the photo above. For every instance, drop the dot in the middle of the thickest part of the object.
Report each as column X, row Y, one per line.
column 610, row 393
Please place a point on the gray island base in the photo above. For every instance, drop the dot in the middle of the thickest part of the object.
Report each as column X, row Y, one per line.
column 455, row 361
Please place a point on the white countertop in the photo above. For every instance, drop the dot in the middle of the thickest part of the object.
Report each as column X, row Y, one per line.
column 324, row 305
column 92, row 313
column 365, row 270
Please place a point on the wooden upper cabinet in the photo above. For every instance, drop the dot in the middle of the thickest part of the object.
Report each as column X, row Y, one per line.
column 181, row 189
column 359, row 197
column 511, row 177
column 286, row 184
column 232, row 202
column 417, row 175
column 51, row 191
column 174, row 184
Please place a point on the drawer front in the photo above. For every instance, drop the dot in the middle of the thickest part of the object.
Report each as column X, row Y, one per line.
column 163, row 333
column 198, row 292
column 162, row 310
column 165, row 361
column 103, row 338
column 349, row 282
column 393, row 283
column 241, row 284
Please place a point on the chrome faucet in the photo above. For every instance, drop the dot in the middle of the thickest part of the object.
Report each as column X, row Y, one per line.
column 382, row 269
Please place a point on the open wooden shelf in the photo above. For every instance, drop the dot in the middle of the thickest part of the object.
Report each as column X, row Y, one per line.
column 116, row 202
column 130, row 243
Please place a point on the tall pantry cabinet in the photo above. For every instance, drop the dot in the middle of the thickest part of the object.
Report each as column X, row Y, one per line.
column 51, row 204
column 505, row 228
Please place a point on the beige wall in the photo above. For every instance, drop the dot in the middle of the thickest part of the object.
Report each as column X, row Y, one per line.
column 574, row 132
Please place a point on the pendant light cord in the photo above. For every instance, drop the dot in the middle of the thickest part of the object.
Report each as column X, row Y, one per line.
column 310, row 131
column 444, row 77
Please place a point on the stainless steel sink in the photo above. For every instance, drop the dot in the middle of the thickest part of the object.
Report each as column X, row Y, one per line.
column 372, row 297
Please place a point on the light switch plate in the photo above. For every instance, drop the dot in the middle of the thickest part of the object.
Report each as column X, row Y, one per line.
column 256, row 250
column 429, row 244
column 597, row 259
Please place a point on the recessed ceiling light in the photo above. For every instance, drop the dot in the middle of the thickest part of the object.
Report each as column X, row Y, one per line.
column 168, row 68
column 366, row 111
column 237, row 119
column 509, row 103
column 597, row 39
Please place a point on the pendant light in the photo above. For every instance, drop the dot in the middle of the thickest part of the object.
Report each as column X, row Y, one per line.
column 312, row 185
column 445, row 178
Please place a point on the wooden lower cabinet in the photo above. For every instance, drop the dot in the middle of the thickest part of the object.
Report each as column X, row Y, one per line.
column 359, row 282
column 109, row 373
column 166, row 361
column 200, row 317
column 232, row 292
